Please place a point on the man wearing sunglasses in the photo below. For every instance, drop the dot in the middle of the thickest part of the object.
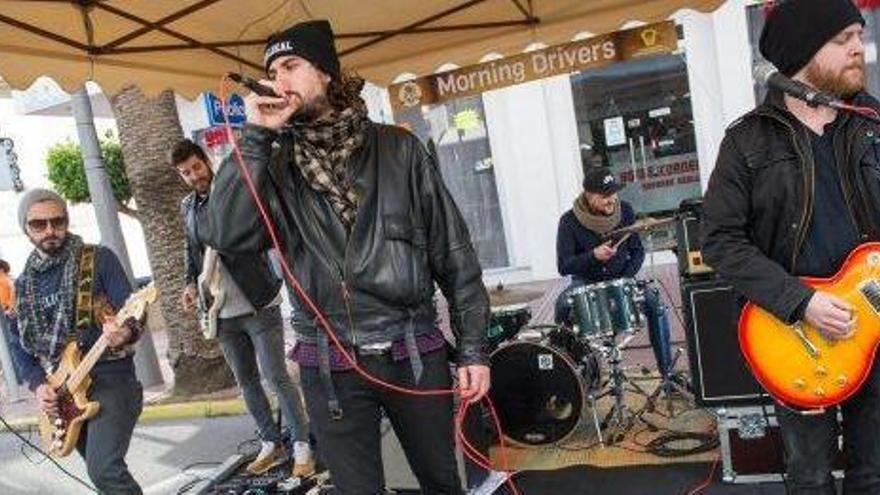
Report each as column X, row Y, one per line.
column 60, row 271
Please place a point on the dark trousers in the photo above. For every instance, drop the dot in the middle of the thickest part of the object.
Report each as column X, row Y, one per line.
column 351, row 445
column 811, row 443
column 247, row 340
column 104, row 439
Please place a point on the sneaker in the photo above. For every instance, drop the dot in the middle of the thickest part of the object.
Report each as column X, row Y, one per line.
column 303, row 460
column 271, row 455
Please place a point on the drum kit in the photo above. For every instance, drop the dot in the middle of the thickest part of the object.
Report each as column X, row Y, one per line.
column 544, row 375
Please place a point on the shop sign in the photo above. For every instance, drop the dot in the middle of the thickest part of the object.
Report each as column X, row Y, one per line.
column 653, row 39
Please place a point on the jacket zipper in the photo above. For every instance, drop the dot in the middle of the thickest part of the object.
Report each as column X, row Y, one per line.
column 809, row 184
column 339, row 275
column 809, row 181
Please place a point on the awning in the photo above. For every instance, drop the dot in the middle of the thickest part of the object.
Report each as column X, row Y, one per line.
column 187, row 45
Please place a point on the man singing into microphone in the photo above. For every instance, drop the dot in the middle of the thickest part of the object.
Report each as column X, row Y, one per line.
column 794, row 190
column 368, row 228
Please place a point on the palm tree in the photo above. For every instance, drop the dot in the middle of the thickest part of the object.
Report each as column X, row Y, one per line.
column 147, row 129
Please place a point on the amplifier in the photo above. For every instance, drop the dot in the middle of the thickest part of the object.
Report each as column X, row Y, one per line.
column 688, row 240
column 719, row 371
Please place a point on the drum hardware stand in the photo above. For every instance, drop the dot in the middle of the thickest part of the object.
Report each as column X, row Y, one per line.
column 620, row 415
column 664, row 388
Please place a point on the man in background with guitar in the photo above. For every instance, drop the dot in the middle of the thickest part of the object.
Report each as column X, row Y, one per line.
column 586, row 250
column 794, row 190
column 61, row 276
column 240, row 298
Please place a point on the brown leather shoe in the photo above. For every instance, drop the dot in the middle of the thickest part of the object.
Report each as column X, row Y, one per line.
column 304, row 470
column 266, row 462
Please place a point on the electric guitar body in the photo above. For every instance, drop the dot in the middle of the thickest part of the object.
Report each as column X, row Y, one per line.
column 795, row 363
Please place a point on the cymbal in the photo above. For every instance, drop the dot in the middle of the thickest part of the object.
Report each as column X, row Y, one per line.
column 504, row 296
column 641, row 224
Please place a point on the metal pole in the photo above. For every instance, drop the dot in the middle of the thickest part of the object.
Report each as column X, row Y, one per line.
column 6, row 361
column 104, row 202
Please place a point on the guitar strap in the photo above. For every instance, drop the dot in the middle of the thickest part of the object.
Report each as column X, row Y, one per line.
column 84, row 293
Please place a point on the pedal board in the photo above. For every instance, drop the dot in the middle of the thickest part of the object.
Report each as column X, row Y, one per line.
column 230, row 478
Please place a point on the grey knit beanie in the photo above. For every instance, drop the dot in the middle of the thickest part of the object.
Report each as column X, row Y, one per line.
column 33, row 197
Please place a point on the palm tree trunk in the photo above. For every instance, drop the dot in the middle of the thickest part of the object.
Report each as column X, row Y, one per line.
column 148, row 128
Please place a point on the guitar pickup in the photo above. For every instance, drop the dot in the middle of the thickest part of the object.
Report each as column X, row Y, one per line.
column 871, row 290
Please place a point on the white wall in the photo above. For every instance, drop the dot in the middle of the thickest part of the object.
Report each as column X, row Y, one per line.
column 533, row 137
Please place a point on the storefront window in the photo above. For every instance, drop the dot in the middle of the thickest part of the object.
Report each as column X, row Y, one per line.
column 756, row 16
column 455, row 133
column 635, row 117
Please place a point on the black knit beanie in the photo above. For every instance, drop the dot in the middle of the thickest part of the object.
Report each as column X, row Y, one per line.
column 797, row 29
column 312, row 40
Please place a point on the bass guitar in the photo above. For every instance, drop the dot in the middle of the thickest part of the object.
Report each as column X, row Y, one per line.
column 70, row 380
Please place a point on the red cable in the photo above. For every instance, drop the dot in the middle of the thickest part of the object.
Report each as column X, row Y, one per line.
column 467, row 448
column 708, row 478
column 867, row 111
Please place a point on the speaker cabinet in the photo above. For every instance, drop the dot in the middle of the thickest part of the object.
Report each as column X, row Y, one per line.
column 719, row 371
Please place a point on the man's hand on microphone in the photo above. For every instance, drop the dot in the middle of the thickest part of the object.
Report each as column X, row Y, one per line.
column 269, row 111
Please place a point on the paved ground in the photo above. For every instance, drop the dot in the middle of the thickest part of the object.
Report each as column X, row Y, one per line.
column 159, row 454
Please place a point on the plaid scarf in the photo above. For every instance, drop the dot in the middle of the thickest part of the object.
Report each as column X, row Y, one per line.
column 42, row 333
column 322, row 151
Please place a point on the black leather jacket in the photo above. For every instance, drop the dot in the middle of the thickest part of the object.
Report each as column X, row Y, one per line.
column 251, row 271
column 375, row 284
column 759, row 203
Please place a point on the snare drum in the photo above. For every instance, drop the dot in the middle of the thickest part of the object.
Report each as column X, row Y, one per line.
column 608, row 308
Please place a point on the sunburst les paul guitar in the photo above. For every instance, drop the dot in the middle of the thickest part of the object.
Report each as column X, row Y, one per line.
column 800, row 367
column 60, row 430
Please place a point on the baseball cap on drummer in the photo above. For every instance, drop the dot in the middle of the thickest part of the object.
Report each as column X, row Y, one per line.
column 600, row 180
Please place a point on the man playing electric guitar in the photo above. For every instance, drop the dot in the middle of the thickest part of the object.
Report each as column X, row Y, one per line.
column 794, row 191
column 55, row 304
column 244, row 301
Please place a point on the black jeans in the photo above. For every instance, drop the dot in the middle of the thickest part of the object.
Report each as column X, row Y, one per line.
column 351, row 445
column 811, row 442
column 104, row 439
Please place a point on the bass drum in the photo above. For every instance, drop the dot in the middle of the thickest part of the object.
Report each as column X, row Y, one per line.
column 539, row 385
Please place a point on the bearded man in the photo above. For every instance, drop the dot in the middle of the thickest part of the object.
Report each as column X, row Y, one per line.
column 794, row 190
column 368, row 228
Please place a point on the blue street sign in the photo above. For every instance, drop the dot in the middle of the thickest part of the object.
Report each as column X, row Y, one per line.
column 235, row 107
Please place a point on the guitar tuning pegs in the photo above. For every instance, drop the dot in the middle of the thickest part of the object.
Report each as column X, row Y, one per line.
column 800, row 383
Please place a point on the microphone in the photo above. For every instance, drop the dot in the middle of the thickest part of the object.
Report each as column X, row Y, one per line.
column 768, row 75
column 252, row 84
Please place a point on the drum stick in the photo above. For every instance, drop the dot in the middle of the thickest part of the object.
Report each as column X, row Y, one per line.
column 622, row 240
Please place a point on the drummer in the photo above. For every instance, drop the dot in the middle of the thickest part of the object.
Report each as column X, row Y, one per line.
column 586, row 253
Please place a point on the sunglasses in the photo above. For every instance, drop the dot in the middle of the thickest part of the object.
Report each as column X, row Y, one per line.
column 41, row 224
